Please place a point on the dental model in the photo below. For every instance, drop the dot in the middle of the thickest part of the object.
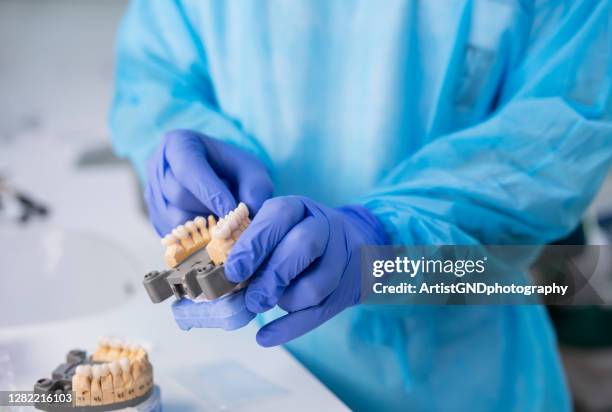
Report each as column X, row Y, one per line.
column 217, row 237
column 128, row 380
column 96, row 388
column 102, row 350
column 118, row 375
column 186, row 239
column 195, row 254
column 226, row 232
column 116, row 347
column 118, row 384
column 81, row 385
column 106, row 384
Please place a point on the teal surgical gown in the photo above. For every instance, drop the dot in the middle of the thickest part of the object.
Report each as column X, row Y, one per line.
column 453, row 121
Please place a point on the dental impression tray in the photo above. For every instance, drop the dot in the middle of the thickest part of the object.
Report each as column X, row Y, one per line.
column 117, row 376
column 195, row 255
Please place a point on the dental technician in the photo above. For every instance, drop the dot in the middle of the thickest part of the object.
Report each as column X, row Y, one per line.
column 344, row 123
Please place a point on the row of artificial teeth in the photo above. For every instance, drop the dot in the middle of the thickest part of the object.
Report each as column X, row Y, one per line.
column 116, row 368
column 118, row 348
column 231, row 222
column 192, row 232
column 112, row 382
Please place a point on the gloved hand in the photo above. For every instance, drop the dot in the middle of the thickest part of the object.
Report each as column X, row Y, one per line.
column 304, row 257
column 190, row 174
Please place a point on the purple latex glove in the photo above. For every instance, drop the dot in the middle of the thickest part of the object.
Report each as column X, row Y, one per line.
column 190, row 174
column 304, row 257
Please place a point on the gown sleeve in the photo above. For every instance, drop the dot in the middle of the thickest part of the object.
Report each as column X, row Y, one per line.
column 162, row 82
column 527, row 173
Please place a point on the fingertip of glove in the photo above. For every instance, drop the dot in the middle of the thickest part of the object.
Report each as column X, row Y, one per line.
column 257, row 302
column 253, row 204
column 235, row 269
column 254, row 197
column 220, row 203
column 232, row 270
column 265, row 339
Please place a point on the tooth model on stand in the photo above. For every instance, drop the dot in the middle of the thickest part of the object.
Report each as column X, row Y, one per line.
column 195, row 254
column 117, row 376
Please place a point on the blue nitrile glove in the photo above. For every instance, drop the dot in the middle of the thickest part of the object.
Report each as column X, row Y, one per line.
column 190, row 174
column 305, row 257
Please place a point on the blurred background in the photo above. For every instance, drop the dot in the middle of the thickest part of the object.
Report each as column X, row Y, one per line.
column 61, row 187
column 71, row 216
